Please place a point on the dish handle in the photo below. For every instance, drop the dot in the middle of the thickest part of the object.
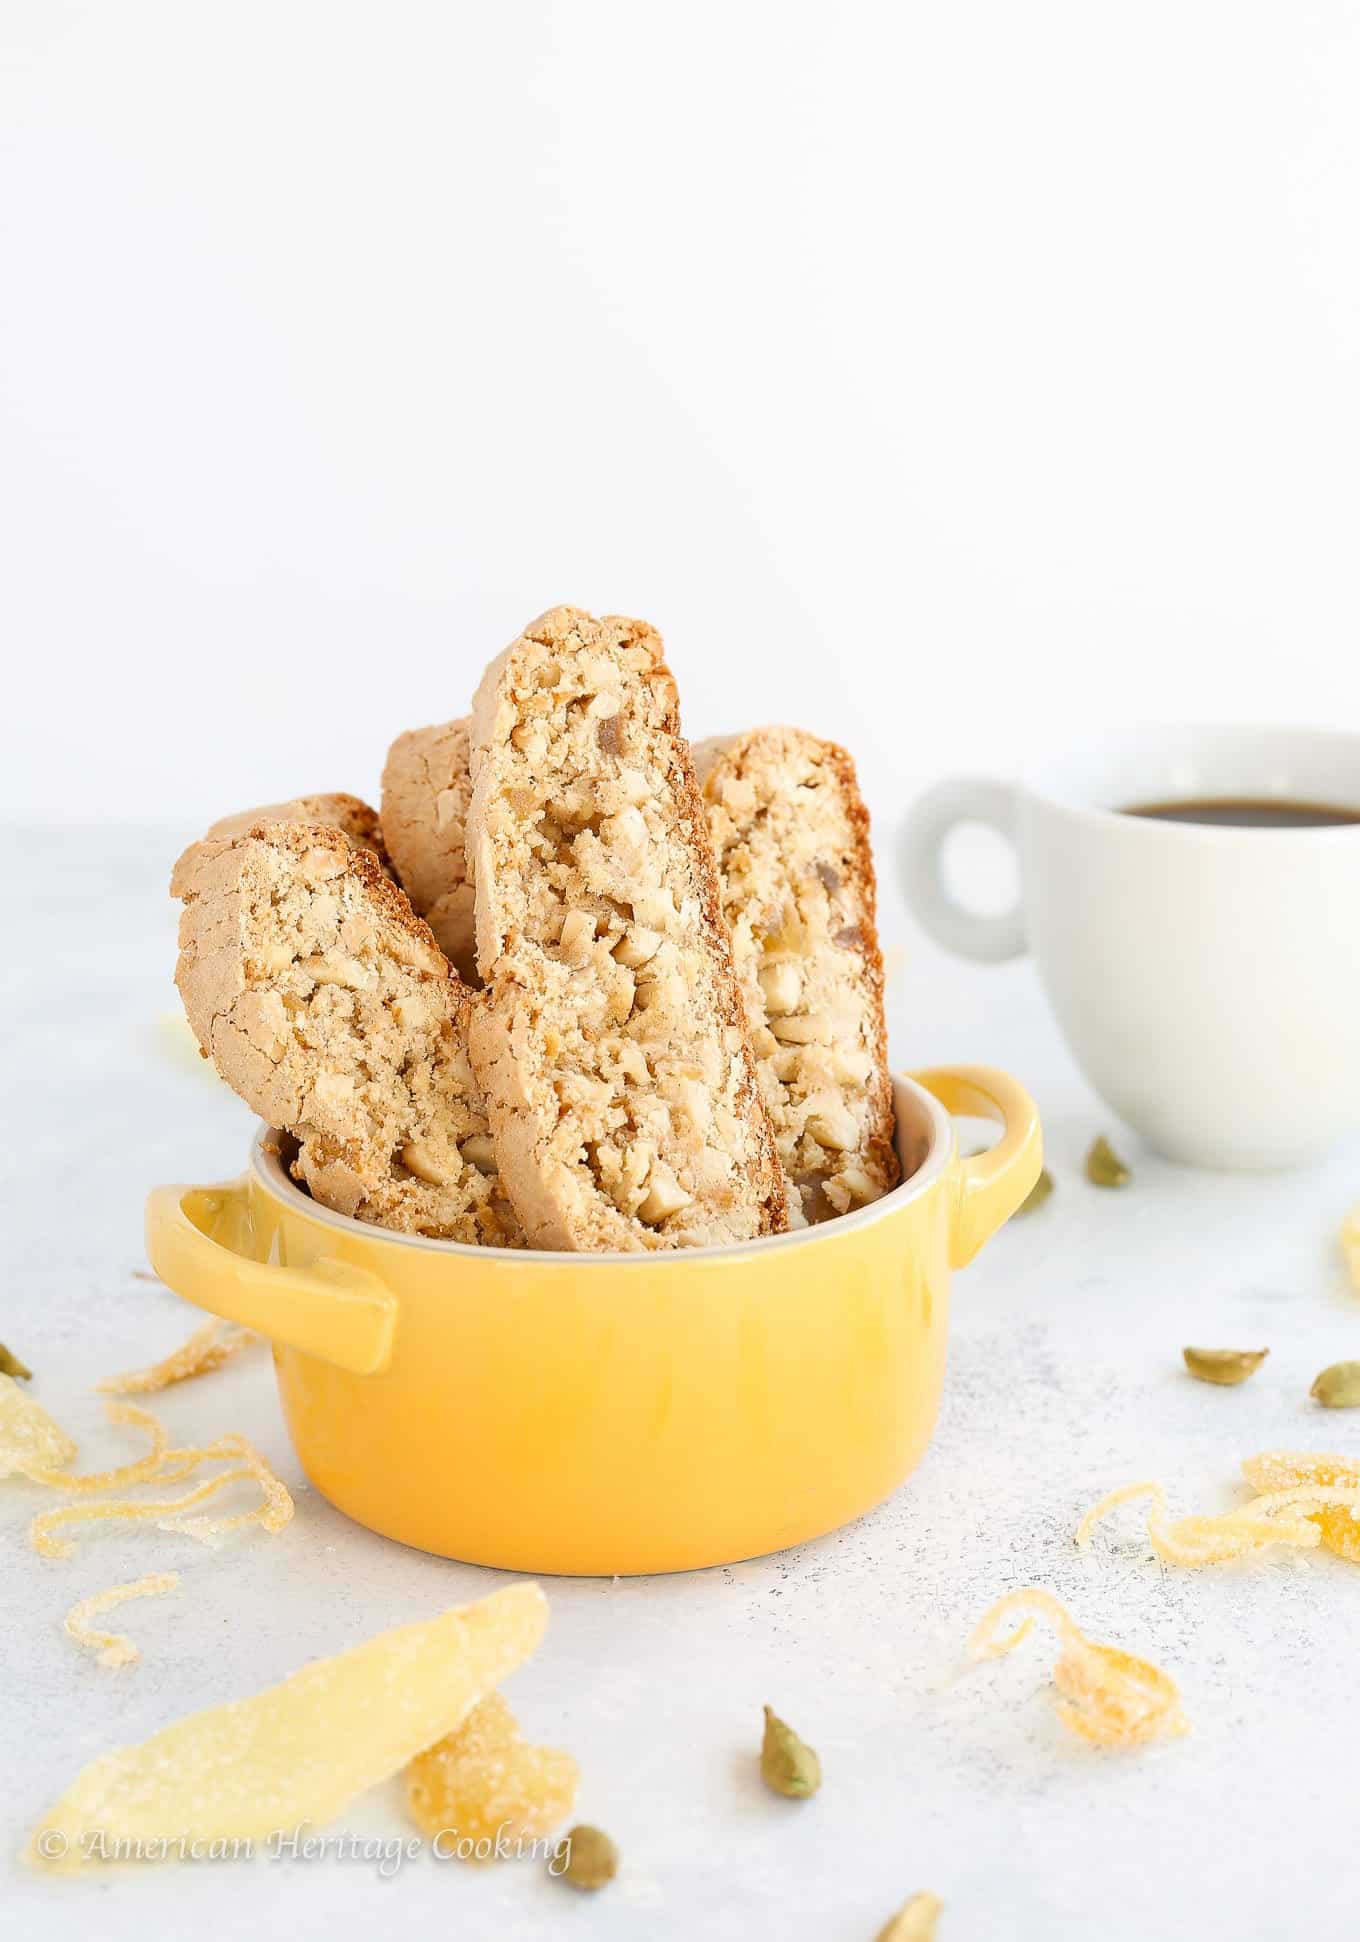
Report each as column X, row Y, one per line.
column 341, row 1314
column 991, row 1185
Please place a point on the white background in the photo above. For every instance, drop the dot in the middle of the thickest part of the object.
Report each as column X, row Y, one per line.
column 947, row 377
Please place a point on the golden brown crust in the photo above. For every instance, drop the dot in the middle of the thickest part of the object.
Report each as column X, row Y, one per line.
column 324, row 1001
column 353, row 817
column 612, row 1048
column 791, row 832
column 426, row 792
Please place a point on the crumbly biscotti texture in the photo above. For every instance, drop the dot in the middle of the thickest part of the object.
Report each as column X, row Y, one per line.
column 791, row 835
column 351, row 816
column 611, row 1043
column 323, row 1000
column 426, row 791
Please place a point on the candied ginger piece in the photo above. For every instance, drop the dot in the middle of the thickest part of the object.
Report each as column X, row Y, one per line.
column 1108, row 1698
column 483, row 1783
column 207, row 1348
column 1338, row 1522
column 1340, row 1528
column 29, row 1439
column 1301, row 1515
column 1286, row 1469
column 114, row 1648
column 299, row 1751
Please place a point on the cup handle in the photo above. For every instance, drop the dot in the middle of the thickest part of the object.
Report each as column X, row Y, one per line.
column 339, row 1313
column 969, row 933
column 992, row 1185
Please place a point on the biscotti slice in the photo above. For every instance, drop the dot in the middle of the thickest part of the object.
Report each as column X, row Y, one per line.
column 324, row 1001
column 352, row 817
column 611, row 1043
column 791, row 835
column 426, row 790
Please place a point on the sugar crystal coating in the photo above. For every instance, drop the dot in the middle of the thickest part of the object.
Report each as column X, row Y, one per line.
column 1339, row 1519
column 29, row 1438
column 1300, row 1514
column 301, row 1750
column 484, row 1781
column 164, row 1465
column 1107, row 1697
column 114, row 1648
column 207, row 1348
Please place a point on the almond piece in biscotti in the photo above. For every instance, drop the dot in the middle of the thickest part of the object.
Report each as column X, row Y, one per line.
column 323, row 1000
column 426, row 790
column 611, row 1042
column 791, row 835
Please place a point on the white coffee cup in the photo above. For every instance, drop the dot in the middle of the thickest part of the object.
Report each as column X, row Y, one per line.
column 1207, row 978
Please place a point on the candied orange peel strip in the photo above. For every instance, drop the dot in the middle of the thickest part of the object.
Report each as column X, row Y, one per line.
column 114, row 1648
column 128, row 1473
column 207, row 1348
column 31, row 1431
column 273, row 1512
column 32, row 1445
column 1107, row 1697
column 485, row 1781
column 1312, row 1509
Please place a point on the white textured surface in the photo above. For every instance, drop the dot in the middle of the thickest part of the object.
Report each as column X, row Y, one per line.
column 1064, row 1379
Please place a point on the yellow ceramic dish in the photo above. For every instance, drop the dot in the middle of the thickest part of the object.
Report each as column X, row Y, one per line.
column 609, row 1413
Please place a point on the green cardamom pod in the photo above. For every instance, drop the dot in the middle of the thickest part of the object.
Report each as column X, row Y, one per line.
column 788, row 1764
column 10, row 1365
column 1036, row 1196
column 1104, row 1168
column 1227, row 1367
column 915, row 1922
column 1338, row 1387
column 586, row 1858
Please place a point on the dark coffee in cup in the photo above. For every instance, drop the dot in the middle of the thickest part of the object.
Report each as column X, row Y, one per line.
column 1247, row 812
